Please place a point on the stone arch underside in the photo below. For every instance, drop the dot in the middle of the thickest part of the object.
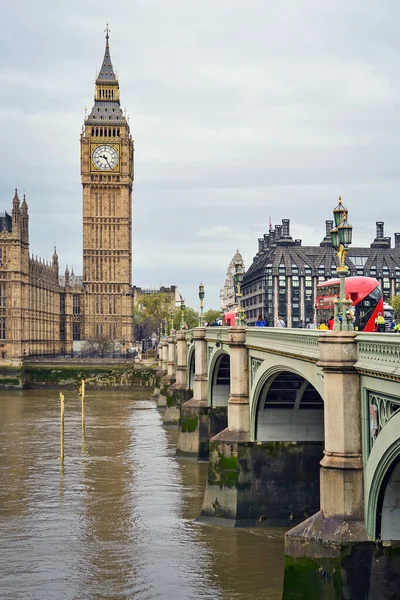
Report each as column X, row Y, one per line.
column 388, row 517
column 289, row 409
column 219, row 380
column 218, row 391
column 191, row 368
column 289, row 431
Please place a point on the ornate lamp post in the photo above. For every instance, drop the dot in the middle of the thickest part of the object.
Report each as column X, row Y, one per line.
column 238, row 278
column 183, row 313
column 342, row 235
column 171, row 322
column 201, row 297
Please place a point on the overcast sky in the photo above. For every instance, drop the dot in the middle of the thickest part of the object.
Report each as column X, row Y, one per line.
column 239, row 110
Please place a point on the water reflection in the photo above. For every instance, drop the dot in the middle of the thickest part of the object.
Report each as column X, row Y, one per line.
column 118, row 523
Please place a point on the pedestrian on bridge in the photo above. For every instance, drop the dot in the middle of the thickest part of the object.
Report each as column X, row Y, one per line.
column 261, row 322
column 280, row 322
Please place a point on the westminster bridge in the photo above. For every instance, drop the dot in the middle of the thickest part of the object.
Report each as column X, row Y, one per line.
column 301, row 429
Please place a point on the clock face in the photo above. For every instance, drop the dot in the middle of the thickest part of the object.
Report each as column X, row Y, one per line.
column 105, row 158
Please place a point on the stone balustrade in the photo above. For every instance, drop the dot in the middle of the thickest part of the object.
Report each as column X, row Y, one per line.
column 378, row 354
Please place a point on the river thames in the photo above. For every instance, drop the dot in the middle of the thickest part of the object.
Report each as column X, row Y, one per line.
column 117, row 521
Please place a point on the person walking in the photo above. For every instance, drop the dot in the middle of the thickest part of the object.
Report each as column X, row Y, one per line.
column 280, row 322
column 261, row 321
column 331, row 322
column 380, row 323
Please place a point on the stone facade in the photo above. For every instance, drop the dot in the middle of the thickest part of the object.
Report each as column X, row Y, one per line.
column 107, row 180
column 42, row 313
column 228, row 292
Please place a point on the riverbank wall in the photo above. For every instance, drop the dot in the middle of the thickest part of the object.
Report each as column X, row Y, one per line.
column 68, row 373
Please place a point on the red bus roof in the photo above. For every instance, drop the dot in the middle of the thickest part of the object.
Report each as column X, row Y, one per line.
column 355, row 287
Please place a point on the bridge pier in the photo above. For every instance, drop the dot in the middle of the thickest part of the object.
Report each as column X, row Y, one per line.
column 226, row 494
column 178, row 392
column 165, row 380
column 161, row 371
column 329, row 554
column 193, row 439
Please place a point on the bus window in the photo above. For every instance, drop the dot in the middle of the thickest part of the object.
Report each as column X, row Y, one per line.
column 364, row 309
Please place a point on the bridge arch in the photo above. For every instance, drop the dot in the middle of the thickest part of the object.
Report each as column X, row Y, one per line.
column 286, row 406
column 190, row 367
column 219, row 378
column 382, row 484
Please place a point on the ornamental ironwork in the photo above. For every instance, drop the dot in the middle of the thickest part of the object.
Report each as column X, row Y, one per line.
column 255, row 364
column 381, row 410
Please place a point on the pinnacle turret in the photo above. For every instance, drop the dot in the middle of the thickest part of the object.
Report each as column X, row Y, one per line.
column 106, row 73
column 106, row 109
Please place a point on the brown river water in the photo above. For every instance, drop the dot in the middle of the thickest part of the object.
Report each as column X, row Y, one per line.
column 117, row 520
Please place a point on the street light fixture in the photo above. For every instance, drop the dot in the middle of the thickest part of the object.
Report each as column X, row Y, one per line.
column 201, row 297
column 238, row 278
column 341, row 236
column 182, row 313
column 171, row 323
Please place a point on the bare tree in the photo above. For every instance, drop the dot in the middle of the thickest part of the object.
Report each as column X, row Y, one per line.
column 100, row 347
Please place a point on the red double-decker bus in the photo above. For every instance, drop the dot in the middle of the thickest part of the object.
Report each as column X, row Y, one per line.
column 365, row 294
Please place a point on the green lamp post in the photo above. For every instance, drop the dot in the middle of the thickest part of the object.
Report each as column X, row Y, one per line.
column 183, row 313
column 171, row 322
column 238, row 278
column 201, row 297
column 342, row 235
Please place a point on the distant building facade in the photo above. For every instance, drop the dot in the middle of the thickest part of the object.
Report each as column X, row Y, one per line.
column 283, row 278
column 30, row 315
column 228, row 292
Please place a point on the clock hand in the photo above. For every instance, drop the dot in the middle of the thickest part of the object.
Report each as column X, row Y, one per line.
column 105, row 157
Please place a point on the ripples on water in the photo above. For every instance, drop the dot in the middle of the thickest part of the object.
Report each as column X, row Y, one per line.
column 117, row 521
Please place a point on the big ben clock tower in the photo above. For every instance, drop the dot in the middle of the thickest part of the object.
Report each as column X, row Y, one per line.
column 107, row 179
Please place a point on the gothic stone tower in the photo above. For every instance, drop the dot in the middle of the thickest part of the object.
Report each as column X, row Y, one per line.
column 107, row 179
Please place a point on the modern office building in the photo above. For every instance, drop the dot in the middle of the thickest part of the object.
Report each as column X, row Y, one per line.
column 283, row 277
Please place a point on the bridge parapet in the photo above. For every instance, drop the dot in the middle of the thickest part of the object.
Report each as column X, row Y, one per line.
column 217, row 334
column 378, row 354
column 293, row 342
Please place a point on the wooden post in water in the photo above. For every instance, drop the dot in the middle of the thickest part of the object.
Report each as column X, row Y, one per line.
column 82, row 389
column 62, row 428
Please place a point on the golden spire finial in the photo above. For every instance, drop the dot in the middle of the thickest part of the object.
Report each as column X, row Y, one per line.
column 340, row 199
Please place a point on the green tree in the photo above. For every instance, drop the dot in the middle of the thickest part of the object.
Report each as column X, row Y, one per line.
column 212, row 315
column 395, row 302
column 150, row 312
column 191, row 318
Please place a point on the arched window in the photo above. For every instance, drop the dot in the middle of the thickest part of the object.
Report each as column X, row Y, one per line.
column 114, row 132
column 97, row 131
column 101, row 132
column 92, row 130
column 117, row 132
column 105, row 132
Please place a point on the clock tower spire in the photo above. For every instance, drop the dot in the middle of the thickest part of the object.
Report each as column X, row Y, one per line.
column 107, row 181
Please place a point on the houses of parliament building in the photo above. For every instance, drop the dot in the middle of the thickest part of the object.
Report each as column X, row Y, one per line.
column 43, row 312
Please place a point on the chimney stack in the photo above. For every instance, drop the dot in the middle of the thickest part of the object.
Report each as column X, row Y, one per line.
column 397, row 240
column 285, row 227
column 278, row 232
column 380, row 230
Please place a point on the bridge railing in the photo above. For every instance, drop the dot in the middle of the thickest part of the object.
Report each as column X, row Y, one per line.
column 296, row 342
column 379, row 353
